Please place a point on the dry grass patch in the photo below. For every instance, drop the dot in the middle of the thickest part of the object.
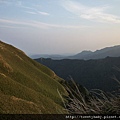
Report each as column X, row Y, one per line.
column 5, row 65
column 82, row 101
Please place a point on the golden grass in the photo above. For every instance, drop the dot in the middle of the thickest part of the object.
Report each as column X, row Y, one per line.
column 5, row 65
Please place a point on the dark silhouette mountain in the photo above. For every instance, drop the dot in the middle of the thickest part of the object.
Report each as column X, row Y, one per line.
column 93, row 74
column 98, row 54
column 54, row 56
column 81, row 55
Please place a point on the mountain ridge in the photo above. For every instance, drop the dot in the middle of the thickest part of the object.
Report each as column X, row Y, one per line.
column 93, row 74
column 27, row 87
column 98, row 54
column 112, row 51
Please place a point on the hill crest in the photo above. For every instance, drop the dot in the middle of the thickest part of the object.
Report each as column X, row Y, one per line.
column 27, row 85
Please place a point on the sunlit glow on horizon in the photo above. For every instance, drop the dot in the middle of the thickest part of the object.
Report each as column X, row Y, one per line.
column 60, row 27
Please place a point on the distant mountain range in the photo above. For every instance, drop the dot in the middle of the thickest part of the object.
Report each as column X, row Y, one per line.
column 113, row 51
column 53, row 56
column 98, row 54
column 93, row 74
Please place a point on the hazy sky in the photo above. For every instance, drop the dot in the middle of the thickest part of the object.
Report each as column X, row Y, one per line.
column 60, row 26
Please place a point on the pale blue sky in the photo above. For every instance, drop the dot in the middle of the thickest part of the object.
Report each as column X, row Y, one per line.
column 60, row 26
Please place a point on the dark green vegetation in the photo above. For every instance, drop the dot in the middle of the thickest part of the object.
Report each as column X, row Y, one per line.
column 93, row 74
column 27, row 86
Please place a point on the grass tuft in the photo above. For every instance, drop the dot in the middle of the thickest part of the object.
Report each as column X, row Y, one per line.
column 82, row 101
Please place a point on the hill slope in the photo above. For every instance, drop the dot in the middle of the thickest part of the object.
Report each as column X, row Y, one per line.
column 27, row 86
column 93, row 74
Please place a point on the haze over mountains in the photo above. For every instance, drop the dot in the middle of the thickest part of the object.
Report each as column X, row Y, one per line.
column 98, row 54
column 54, row 56
column 86, row 55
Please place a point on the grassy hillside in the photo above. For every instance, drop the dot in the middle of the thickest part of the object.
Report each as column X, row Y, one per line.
column 27, row 86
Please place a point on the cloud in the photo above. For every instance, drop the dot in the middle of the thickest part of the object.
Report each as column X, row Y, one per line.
column 24, row 23
column 43, row 13
column 90, row 13
column 34, row 10
column 37, row 24
column 11, row 2
column 19, row 4
column 34, row 13
column 38, row 12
